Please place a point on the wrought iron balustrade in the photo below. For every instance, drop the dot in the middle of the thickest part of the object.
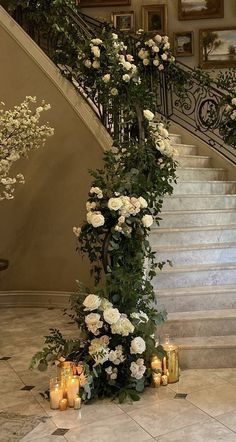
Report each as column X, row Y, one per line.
column 196, row 107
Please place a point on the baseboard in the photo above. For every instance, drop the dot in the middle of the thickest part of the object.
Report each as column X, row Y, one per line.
column 27, row 298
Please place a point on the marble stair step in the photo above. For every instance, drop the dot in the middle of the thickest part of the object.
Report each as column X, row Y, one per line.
column 191, row 202
column 200, row 323
column 212, row 253
column 200, row 174
column 197, row 298
column 166, row 237
column 207, row 352
column 192, row 161
column 192, row 276
column 188, row 218
column 185, row 149
column 175, row 138
column 205, row 187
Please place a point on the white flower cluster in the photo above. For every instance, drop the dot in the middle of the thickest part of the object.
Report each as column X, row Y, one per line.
column 126, row 207
column 231, row 109
column 114, row 322
column 19, row 134
column 129, row 68
column 155, row 52
column 161, row 137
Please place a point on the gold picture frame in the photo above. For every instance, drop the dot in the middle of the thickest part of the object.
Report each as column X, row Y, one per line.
column 123, row 21
column 95, row 3
column 200, row 9
column 183, row 44
column 154, row 19
column 217, row 48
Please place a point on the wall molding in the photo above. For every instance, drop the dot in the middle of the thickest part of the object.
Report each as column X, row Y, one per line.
column 37, row 298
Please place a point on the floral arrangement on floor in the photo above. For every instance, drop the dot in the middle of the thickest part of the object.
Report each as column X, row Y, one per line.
column 20, row 133
column 117, row 318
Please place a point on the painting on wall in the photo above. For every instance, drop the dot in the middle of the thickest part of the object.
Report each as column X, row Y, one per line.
column 123, row 21
column 95, row 3
column 198, row 9
column 218, row 48
column 183, row 44
column 154, row 19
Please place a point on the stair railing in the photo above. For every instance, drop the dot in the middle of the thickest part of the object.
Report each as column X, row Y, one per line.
column 196, row 105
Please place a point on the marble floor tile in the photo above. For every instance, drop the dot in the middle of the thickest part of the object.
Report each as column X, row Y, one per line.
column 116, row 429
column 151, row 396
column 229, row 420
column 166, row 416
column 194, row 380
column 215, row 401
column 44, row 429
column 229, row 375
column 209, row 431
column 51, row 439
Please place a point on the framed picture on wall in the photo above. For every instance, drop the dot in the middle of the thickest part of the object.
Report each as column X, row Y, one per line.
column 95, row 3
column 217, row 47
column 198, row 9
column 183, row 44
column 123, row 21
column 154, row 19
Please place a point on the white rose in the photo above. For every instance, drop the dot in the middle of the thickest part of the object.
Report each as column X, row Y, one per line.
column 114, row 203
column 96, row 51
column 156, row 62
column 114, row 91
column 111, row 315
column 126, row 78
column 148, row 114
column 155, row 49
column 92, row 318
column 90, row 206
column 105, row 304
column 143, row 202
column 143, row 54
column 164, row 57
column 129, row 57
column 122, row 327
column 114, row 36
column 87, row 63
column 97, row 219
column 96, row 41
column 96, row 64
column 146, row 62
column 127, row 65
column 233, row 101
column 147, row 220
column 158, row 38
column 161, row 67
column 150, row 42
column 167, row 46
column 92, row 302
column 165, row 39
column 106, row 78
column 138, row 345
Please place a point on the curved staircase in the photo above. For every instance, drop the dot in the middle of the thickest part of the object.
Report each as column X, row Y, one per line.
column 198, row 234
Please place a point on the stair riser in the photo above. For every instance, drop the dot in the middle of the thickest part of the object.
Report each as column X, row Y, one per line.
column 175, row 138
column 204, row 188
column 194, row 203
column 182, row 149
column 168, row 280
column 208, row 358
column 184, row 238
column 196, row 256
column 199, row 327
column 193, row 162
column 201, row 175
column 189, row 303
column 176, row 219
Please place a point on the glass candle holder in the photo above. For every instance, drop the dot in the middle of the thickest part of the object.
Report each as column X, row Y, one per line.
column 56, row 393
column 72, row 389
column 65, row 373
column 156, row 363
column 171, row 361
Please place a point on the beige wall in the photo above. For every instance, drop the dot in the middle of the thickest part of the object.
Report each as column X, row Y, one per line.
column 36, row 227
column 174, row 25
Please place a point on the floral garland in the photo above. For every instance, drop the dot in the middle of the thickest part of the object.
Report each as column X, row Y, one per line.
column 20, row 133
column 117, row 319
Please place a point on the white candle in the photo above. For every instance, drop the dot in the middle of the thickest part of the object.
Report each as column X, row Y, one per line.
column 56, row 395
column 72, row 389
column 164, row 379
column 77, row 403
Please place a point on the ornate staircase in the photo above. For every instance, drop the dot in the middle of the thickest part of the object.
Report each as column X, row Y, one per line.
column 198, row 234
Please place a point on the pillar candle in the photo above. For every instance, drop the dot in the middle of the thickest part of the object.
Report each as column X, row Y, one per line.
column 72, row 389
column 56, row 393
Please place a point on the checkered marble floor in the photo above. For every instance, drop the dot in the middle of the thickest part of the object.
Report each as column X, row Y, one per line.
column 199, row 408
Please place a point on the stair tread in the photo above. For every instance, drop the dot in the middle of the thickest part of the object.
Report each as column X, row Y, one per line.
column 191, row 156
column 197, row 195
column 225, row 245
column 157, row 230
column 183, row 144
column 202, row 314
column 206, row 341
column 187, row 212
column 198, row 267
column 201, row 168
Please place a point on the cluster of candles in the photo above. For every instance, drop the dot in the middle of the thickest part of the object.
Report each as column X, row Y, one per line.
column 64, row 390
column 165, row 371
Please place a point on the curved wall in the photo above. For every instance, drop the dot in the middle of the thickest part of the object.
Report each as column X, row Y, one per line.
column 36, row 227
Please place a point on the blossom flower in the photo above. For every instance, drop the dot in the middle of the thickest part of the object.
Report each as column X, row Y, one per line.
column 106, row 78
column 90, row 205
column 158, row 38
column 112, row 372
column 122, row 327
column 87, row 63
column 114, row 91
column 97, row 191
column 111, row 315
column 116, row 356
column 146, row 62
column 114, row 203
column 93, row 323
column 233, row 101
column 143, row 202
column 156, row 62
column 137, row 369
column 147, row 220
column 126, row 78
column 77, row 231
column 96, row 219
column 148, row 115
column 99, row 351
column 92, row 302
column 164, row 57
column 138, row 345
column 96, row 51
column 96, row 41
column 105, row 304
column 96, row 64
